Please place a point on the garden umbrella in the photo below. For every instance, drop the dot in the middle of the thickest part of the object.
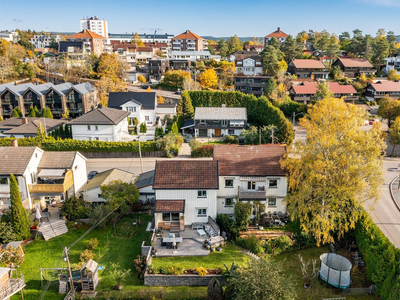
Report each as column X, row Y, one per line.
column 38, row 215
column 173, row 241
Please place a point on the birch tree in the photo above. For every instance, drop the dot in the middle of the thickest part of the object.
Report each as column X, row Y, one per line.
column 336, row 170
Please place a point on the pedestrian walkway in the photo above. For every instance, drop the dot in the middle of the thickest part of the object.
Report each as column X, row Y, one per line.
column 395, row 191
column 185, row 151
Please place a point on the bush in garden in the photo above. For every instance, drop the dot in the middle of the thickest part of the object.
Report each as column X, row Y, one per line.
column 86, row 255
column 284, row 243
column 227, row 224
column 93, row 243
column 175, row 270
column 214, row 290
column 230, row 139
column 202, row 151
column 74, row 208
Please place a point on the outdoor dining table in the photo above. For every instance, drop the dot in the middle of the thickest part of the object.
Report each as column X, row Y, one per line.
column 170, row 240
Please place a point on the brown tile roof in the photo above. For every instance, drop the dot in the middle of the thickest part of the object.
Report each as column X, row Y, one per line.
column 277, row 34
column 355, row 62
column 101, row 116
column 386, row 86
column 335, row 87
column 14, row 160
column 186, row 174
column 308, row 64
column 187, row 35
column 257, row 160
column 57, row 160
column 86, row 34
column 170, row 206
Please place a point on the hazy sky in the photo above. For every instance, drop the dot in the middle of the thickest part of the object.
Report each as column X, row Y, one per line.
column 205, row 17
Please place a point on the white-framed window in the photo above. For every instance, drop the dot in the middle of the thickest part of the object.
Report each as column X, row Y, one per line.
column 98, row 195
column 88, row 128
column 229, row 183
column 272, row 202
column 201, row 194
column 96, row 138
column 224, row 122
column 4, row 180
column 89, row 138
column 131, row 108
column 202, row 121
column 33, row 177
column 96, row 128
column 146, row 118
column 167, row 217
column 202, row 212
column 273, row 183
column 229, row 201
column 251, row 185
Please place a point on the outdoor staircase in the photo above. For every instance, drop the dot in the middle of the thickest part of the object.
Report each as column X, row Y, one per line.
column 59, row 228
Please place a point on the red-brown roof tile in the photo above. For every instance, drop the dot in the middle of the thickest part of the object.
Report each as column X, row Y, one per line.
column 335, row 87
column 86, row 34
column 186, row 174
column 257, row 160
column 308, row 64
column 386, row 86
column 187, row 35
column 173, row 206
column 355, row 62
column 277, row 34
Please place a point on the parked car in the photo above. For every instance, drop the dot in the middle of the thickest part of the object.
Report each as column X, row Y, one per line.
column 371, row 122
column 91, row 175
column 178, row 92
column 187, row 138
column 145, row 87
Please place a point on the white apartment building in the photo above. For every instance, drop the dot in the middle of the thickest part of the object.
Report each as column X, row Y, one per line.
column 95, row 25
column 194, row 55
column 43, row 41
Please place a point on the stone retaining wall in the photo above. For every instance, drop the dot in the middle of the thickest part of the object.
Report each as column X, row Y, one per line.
column 180, row 280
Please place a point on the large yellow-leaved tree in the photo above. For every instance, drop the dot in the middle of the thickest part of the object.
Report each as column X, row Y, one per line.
column 335, row 171
column 209, row 79
column 136, row 40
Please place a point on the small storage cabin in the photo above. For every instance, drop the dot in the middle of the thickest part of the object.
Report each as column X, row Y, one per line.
column 89, row 276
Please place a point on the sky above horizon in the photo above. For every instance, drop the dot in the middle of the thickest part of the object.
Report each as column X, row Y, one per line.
column 218, row 18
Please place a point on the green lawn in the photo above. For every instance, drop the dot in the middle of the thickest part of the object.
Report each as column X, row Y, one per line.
column 215, row 260
column 42, row 254
column 320, row 289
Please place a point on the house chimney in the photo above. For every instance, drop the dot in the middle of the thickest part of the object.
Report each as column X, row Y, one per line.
column 279, row 30
column 14, row 143
column 24, row 120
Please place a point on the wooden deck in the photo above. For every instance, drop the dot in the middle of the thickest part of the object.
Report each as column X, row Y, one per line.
column 56, row 228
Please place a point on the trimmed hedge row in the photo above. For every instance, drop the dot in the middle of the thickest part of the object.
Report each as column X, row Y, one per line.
column 381, row 257
column 260, row 111
column 50, row 144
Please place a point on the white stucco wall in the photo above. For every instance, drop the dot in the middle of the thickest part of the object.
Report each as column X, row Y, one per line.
column 79, row 172
column 192, row 203
column 104, row 132
column 92, row 195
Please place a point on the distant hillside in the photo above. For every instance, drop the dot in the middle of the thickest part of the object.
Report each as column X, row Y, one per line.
column 243, row 39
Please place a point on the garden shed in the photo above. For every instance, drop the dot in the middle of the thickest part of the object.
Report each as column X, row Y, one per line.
column 89, row 276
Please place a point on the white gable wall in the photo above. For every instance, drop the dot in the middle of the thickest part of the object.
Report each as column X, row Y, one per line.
column 79, row 172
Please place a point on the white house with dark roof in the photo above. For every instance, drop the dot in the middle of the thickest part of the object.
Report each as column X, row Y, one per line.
column 219, row 121
column 91, row 191
column 27, row 126
column 102, row 124
column 250, row 173
column 140, row 105
column 40, row 174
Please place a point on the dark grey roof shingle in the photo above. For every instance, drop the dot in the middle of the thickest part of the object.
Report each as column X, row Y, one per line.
column 145, row 179
column 147, row 99
column 101, row 116
column 14, row 160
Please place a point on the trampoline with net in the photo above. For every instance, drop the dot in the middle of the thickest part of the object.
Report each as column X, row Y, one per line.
column 335, row 270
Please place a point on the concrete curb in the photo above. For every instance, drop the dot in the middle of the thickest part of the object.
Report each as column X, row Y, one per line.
column 391, row 192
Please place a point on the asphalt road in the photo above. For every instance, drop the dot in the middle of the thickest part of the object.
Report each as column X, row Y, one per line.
column 386, row 214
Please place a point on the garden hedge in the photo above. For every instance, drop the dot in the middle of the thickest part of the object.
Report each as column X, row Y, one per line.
column 260, row 111
column 382, row 258
column 51, row 144
column 203, row 151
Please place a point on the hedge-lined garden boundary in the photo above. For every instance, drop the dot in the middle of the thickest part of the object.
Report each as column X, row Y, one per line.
column 51, row 144
column 260, row 111
column 382, row 258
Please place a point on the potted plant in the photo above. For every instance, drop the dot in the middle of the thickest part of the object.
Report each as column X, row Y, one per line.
column 155, row 251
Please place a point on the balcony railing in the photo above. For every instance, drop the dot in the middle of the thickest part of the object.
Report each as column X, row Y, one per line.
column 58, row 188
column 252, row 195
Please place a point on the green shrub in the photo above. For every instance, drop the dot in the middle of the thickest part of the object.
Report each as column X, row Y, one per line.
column 193, row 144
column 284, row 243
column 175, row 270
column 93, row 243
column 203, row 151
column 230, row 139
column 50, row 144
column 86, row 255
column 74, row 208
column 290, row 107
column 252, row 243
column 227, row 224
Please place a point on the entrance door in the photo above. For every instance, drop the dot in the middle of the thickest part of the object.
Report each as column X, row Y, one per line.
column 217, row 132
